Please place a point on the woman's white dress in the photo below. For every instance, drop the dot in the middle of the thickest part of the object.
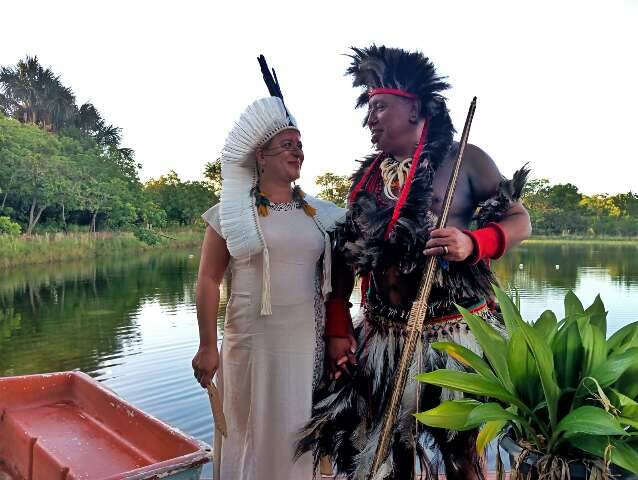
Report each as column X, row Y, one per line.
column 266, row 367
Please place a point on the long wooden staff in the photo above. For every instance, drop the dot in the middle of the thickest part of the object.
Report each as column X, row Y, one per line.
column 418, row 312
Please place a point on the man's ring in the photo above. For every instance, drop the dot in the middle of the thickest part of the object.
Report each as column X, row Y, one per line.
column 445, row 250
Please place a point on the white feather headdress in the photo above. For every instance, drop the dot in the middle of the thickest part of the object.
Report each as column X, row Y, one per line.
column 239, row 220
column 259, row 123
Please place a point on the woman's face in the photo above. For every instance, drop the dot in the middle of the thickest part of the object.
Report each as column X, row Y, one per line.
column 281, row 158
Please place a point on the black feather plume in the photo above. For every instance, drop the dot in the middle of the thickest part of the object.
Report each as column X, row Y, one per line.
column 272, row 82
column 270, row 78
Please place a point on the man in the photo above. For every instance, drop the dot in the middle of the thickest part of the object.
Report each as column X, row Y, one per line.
column 394, row 202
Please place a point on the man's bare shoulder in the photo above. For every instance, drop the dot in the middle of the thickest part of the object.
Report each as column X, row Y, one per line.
column 476, row 157
column 484, row 175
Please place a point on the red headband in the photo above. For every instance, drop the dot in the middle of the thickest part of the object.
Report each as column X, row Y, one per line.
column 392, row 91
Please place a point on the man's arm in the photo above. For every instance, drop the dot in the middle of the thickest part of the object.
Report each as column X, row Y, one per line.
column 340, row 342
column 484, row 178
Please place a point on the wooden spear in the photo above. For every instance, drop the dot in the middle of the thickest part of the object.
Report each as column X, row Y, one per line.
column 418, row 313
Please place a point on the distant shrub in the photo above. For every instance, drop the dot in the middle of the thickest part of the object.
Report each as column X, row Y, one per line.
column 9, row 227
column 147, row 236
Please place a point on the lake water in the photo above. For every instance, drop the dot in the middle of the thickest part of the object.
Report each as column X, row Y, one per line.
column 131, row 324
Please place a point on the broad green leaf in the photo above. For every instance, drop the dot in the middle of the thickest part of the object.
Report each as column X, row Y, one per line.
column 627, row 383
column 609, row 372
column 568, row 353
column 489, row 432
column 623, row 454
column 546, row 325
column 598, row 315
column 511, row 314
column 451, row 414
column 488, row 412
column 594, row 345
column 492, row 343
column 630, row 422
column 472, row 383
column 466, row 357
column 626, row 337
column 544, row 359
column 628, row 407
column 630, row 411
column 589, row 420
column 573, row 305
column 523, row 369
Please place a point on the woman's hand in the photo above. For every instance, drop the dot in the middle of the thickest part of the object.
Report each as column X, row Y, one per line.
column 340, row 352
column 450, row 243
column 205, row 364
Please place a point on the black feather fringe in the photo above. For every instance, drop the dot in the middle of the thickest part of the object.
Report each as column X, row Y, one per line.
column 384, row 67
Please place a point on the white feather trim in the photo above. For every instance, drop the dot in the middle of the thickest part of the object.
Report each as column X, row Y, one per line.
column 239, row 220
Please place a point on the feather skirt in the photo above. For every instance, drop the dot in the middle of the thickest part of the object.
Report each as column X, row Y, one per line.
column 348, row 413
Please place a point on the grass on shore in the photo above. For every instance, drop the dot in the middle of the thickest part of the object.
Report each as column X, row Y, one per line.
column 582, row 240
column 58, row 247
column 51, row 248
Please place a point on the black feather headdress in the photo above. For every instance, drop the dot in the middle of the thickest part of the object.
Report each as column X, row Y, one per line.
column 383, row 67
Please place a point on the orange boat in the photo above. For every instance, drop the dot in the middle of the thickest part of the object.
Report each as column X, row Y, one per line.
column 66, row 426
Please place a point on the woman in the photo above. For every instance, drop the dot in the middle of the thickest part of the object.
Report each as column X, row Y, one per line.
column 273, row 240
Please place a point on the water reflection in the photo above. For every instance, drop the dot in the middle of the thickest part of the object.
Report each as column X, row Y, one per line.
column 543, row 273
column 131, row 322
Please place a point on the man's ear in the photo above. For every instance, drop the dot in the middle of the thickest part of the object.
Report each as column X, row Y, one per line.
column 415, row 111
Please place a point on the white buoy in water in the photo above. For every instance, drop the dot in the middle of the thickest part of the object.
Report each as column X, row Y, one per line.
column 520, row 266
column 557, row 267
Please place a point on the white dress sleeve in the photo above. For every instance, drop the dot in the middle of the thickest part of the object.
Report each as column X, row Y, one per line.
column 211, row 217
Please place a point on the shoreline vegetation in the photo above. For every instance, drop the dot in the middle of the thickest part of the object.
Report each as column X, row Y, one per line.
column 50, row 248
column 69, row 188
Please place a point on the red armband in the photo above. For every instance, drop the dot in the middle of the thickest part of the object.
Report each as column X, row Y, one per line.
column 489, row 242
column 338, row 320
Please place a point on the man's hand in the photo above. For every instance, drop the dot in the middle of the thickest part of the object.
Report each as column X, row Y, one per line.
column 205, row 363
column 450, row 243
column 340, row 353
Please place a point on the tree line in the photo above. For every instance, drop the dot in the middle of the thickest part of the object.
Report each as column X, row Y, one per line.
column 62, row 165
column 554, row 209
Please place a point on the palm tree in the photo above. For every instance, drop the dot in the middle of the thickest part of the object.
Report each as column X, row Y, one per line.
column 33, row 94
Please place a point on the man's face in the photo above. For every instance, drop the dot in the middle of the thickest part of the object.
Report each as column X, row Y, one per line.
column 389, row 122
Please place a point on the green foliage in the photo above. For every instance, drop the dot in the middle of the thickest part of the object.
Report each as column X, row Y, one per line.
column 213, row 176
column 333, row 188
column 562, row 209
column 7, row 227
column 57, row 158
column 559, row 386
column 183, row 202
column 147, row 236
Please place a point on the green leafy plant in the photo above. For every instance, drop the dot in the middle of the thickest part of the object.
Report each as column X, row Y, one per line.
column 147, row 236
column 560, row 389
column 9, row 227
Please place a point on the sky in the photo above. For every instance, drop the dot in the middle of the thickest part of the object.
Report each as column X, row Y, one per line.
column 557, row 82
